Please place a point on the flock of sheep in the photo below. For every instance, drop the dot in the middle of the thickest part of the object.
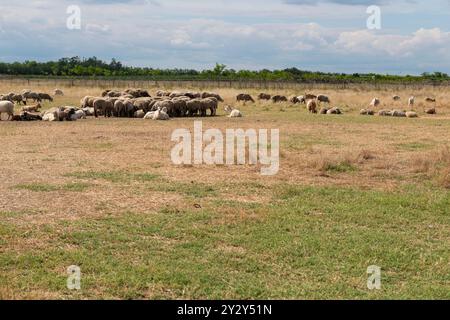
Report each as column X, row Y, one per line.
column 138, row 103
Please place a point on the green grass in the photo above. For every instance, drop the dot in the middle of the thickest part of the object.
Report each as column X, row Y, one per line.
column 307, row 243
column 340, row 167
column 114, row 176
column 44, row 187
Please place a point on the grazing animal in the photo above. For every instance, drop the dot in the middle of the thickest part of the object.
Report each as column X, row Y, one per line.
column 411, row 102
column 278, row 98
column 299, row 99
column 323, row 98
column 431, row 111
column 18, row 98
column 32, row 96
column 244, row 97
column 264, row 96
column 58, row 92
column 7, row 107
column 104, row 106
column 45, row 96
column 375, row 102
column 311, row 106
column 396, row 98
column 210, row 95
column 309, row 96
column 34, row 108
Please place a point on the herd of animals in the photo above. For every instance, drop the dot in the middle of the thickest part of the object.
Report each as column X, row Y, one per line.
column 138, row 103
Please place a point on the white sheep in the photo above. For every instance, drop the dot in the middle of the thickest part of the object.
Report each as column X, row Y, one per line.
column 7, row 107
column 375, row 102
column 411, row 102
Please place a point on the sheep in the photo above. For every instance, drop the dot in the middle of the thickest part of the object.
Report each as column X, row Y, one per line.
column 264, row 96
column 160, row 114
column 309, row 96
column 25, row 116
column 311, row 106
column 58, row 114
column 193, row 107
column 7, row 107
column 431, row 111
column 411, row 102
column 45, row 96
column 234, row 113
column 103, row 105
column 79, row 114
column 375, row 102
column 162, row 93
column 396, row 98
column 32, row 96
column 334, row 110
column 211, row 104
column 179, row 107
column 211, row 95
column 398, row 113
column 34, row 108
column 385, row 113
column 323, row 98
column 88, row 111
column 165, row 104
column 244, row 97
column 18, row 98
column 58, row 92
column 366, row 112
column 278, row 98
column 139, row 114
column 299, row 99
column 430, row 100
column 323, row 111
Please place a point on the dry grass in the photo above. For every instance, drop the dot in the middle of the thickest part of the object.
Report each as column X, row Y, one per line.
column 72, row 189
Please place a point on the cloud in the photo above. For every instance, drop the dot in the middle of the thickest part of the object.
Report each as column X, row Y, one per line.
column 175, row 33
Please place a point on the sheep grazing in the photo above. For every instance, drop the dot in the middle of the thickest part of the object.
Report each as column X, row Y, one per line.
column 311, row 106
column 17, row 98
column 244, row 97
column 7, row 107
column 396, row 98
column 411, row 102
column 264, row 96
column 278, row 99
column 375, row 103
column 209, row 95
column 431, row 111
column 58, row 92
column 309, row 96
column 104, row 106
column 31, row 96
column 323, row 98
column 34, row 108
column 45, row 96
column 299, row 99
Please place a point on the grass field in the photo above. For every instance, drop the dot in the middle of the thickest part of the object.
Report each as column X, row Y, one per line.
column 352, row 191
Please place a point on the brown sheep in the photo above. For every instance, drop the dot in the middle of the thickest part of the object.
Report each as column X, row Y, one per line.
column 264, row 96
column 45, row 96
column 34, row 108
column 104, row 106
column 311, row 106
column 278, row 98
column 244, row 97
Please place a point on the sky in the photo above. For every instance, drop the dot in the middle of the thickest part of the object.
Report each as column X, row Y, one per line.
column 316, row 35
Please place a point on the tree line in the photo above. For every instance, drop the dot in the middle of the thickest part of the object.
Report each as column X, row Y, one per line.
column 94, row 67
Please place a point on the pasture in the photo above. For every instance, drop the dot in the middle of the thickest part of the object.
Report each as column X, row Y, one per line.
column 352, row 191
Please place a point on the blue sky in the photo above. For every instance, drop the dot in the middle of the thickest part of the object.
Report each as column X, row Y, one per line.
column 324, row 35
